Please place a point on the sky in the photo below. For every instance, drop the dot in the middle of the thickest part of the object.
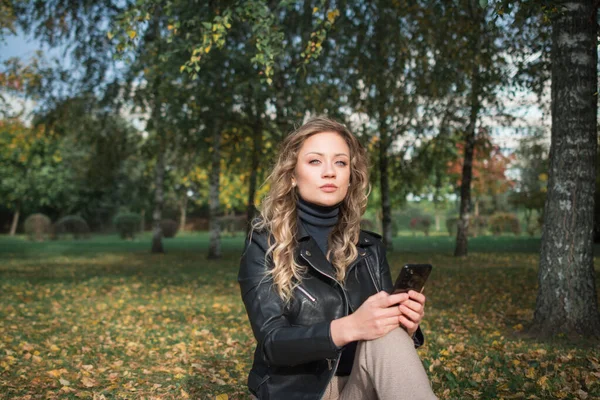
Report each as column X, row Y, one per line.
column 18, row 46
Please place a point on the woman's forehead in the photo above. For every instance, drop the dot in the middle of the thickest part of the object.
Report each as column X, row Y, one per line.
column 325, row 143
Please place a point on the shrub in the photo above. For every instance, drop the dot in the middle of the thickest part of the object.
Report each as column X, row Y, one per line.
column 169, row 228
column 231, row 224
column 452, row 225
column 420, row 224
column 71, row 224
column 127, row 224
column 503, row 223
column 477, row 225
column 37, row 226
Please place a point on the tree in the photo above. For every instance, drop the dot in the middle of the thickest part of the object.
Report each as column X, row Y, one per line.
column 489, row 170
column 34, row 170
column 567, row 300
column 531, row 187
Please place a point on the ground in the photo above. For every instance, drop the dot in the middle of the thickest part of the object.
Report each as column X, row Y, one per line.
column 104, row 318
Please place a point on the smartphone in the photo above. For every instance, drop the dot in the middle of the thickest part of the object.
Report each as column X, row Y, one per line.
column 412, row 277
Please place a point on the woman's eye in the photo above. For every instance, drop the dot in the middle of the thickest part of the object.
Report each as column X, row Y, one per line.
column 313, row 161
column 343, row 163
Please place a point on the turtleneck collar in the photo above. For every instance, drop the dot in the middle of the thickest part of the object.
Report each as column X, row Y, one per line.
column 318, row 221
column 317, row 215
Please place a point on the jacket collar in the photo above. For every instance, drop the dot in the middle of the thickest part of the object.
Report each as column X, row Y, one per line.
column 310, row 251
column 364, row 239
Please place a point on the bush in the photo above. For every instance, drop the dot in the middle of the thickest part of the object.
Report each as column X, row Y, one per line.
column 452, row 226
column 71, row 224
column 169, row 228
column 504, row 223
column 477, row 225
column 231, row 224
column 37, row 226
column 420, row 224
column 127, row 224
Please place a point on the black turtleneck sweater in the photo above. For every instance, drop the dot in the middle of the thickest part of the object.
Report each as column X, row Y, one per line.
column 319, row 222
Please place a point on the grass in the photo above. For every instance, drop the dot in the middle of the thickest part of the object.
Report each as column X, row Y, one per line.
column 104, row 318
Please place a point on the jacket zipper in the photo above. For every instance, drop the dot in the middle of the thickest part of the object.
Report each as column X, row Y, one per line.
column 372, row 277
column 306, row 293
column 329, row 360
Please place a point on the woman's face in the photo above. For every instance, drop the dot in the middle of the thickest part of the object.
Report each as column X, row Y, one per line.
column 322, row 172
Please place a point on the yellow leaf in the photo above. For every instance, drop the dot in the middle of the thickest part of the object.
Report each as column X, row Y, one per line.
column 170, row 27
column 184, row 394
column 64, row 382
column 222, row 397
column 332, row 15
column 181, row 68
column 110, row 35
column 88, row 382
column 315, row 10
column 132, row 34
column 56, row 373
column 207, row 49
column 54, row 348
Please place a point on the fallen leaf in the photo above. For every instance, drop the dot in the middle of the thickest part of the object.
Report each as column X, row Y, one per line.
column 88, row 382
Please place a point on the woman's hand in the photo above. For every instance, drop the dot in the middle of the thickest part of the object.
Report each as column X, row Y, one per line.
column 413, row 310
column 377, row 316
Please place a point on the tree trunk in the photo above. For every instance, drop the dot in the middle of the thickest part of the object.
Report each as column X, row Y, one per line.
column 384, row 183
column 597, row 204
column 567, row 300
column 15, row 222
column 214, row 249
column 256, row 152
column 183, row 212
column 143, row 221
column 462, row 234
column 157, row 246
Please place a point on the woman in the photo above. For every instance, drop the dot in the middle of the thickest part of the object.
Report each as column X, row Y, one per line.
column 316, row 287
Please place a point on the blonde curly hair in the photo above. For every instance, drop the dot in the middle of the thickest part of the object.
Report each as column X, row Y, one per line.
column 278, row 214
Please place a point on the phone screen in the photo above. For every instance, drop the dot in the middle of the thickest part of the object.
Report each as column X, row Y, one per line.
column 412, row 277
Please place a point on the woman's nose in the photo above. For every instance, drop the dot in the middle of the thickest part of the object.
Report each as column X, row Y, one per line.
column 328, row 170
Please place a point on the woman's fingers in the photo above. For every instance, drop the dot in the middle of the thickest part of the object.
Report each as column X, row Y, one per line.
column 416, row 296
column 412, row 305
column 410, row 314
column 391, row 321
column 393, row 299
column 411, row 326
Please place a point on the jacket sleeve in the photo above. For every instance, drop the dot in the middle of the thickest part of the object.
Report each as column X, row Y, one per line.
column 280, row 343
column 388, row 286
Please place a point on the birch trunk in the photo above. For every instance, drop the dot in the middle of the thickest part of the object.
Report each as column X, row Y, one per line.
column 157, row 245
column 384, row 181
column 567, row 301
column 256, row 152
column 462, row 233
column 183, row 213
column 15, row 222
column 214, row 249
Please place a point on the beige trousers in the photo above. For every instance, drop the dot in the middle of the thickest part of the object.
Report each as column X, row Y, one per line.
column 387, row 368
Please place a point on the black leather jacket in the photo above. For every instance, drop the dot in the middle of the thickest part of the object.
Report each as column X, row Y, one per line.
column 295, row 357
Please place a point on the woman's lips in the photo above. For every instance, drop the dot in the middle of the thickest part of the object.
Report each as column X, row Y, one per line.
column 328, row 189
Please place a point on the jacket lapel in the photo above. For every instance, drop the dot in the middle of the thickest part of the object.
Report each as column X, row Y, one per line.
column 311, row 252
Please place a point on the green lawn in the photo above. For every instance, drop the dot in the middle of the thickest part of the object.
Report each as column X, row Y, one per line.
column 104, row 318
